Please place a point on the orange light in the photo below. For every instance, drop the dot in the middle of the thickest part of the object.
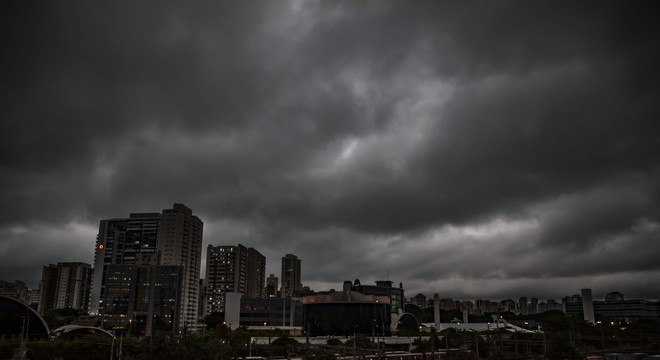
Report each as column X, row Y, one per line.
column 101, row 246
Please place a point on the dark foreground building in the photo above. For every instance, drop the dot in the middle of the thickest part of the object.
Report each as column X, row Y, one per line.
column 346, row 313
column 271, row 312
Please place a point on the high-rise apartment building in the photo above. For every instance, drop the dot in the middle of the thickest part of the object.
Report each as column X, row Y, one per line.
column 65, row 285
column 419, row 300
column 232, row 268
column 272, row 284
column 180, row 244
column 290, row 275
column 16, row 290
column 588, row 306
column 255, row 275
column 131, row 241
column 522, row 305
column 171, row 238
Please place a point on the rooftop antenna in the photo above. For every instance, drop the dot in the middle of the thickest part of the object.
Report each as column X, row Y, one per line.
column 388, row 274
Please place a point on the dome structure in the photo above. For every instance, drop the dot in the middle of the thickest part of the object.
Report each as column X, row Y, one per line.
column 17, row 318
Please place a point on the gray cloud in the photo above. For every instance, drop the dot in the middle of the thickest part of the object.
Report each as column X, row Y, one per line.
column 473, row 149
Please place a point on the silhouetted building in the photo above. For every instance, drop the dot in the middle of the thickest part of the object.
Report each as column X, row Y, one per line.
column 573, row 305
column 627, row 309
column 65, row 285
column 155, row 293
column 173, row 238
column 614, row 296
column 232, row 268
column 271, row 312
column 180, row 244
column 419, row 300
column 507, row 305
column 255, row 275
column 522, row 305
column 533, row 306
column 144, row 298
column 384, row 288
column 290, row 275
column 588, row 306
column 16, row 290
column 346, row 313
column 272, row 284
column 447, row 304
column 128, row 242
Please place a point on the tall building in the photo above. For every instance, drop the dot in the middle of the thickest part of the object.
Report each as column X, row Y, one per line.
column 522, row 305
column 235, row 269
column 290, row 275
column 129, row 241
column 272, row 284
column 65, row 285
column 180, row 244
column 588, row 306
column 533, row 306
column 171, row 238
column 255, row 275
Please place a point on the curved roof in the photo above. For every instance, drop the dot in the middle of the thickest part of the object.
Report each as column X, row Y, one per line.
column 12, row 315
column 79, row 330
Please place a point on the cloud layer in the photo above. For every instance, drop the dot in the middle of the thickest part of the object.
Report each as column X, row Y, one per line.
column 471, row 149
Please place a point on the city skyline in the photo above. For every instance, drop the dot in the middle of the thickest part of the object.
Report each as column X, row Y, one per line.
column 476, row 150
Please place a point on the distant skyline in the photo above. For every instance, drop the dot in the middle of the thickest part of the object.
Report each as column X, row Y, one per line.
column 473, row 149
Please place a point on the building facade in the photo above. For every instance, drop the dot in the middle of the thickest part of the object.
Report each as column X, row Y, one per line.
column 255, row 275
column 291, row 284
column 346, row 313
column 170, row 238
column 16, row 290
column 65, row 286
column 233, row 268
column 271, row 312
column 180, row 244
column 272, row 284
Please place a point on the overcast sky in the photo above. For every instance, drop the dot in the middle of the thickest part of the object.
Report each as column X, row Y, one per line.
column 475, row 149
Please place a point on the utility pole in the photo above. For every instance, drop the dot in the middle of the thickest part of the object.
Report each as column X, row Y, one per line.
column 476, row 344
column 432, row 340
column 112, row 346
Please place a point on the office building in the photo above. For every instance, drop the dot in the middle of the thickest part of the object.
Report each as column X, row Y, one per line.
column 129, row 241
column 65, row 286
column 155, row 294
column 272, row 312
column 627, row 309
column 233, row 268
column 291, row 284
column 170, row 238
column 346, row 313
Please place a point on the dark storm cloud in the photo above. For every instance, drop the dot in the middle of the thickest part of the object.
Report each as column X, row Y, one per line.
column 477, row 149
